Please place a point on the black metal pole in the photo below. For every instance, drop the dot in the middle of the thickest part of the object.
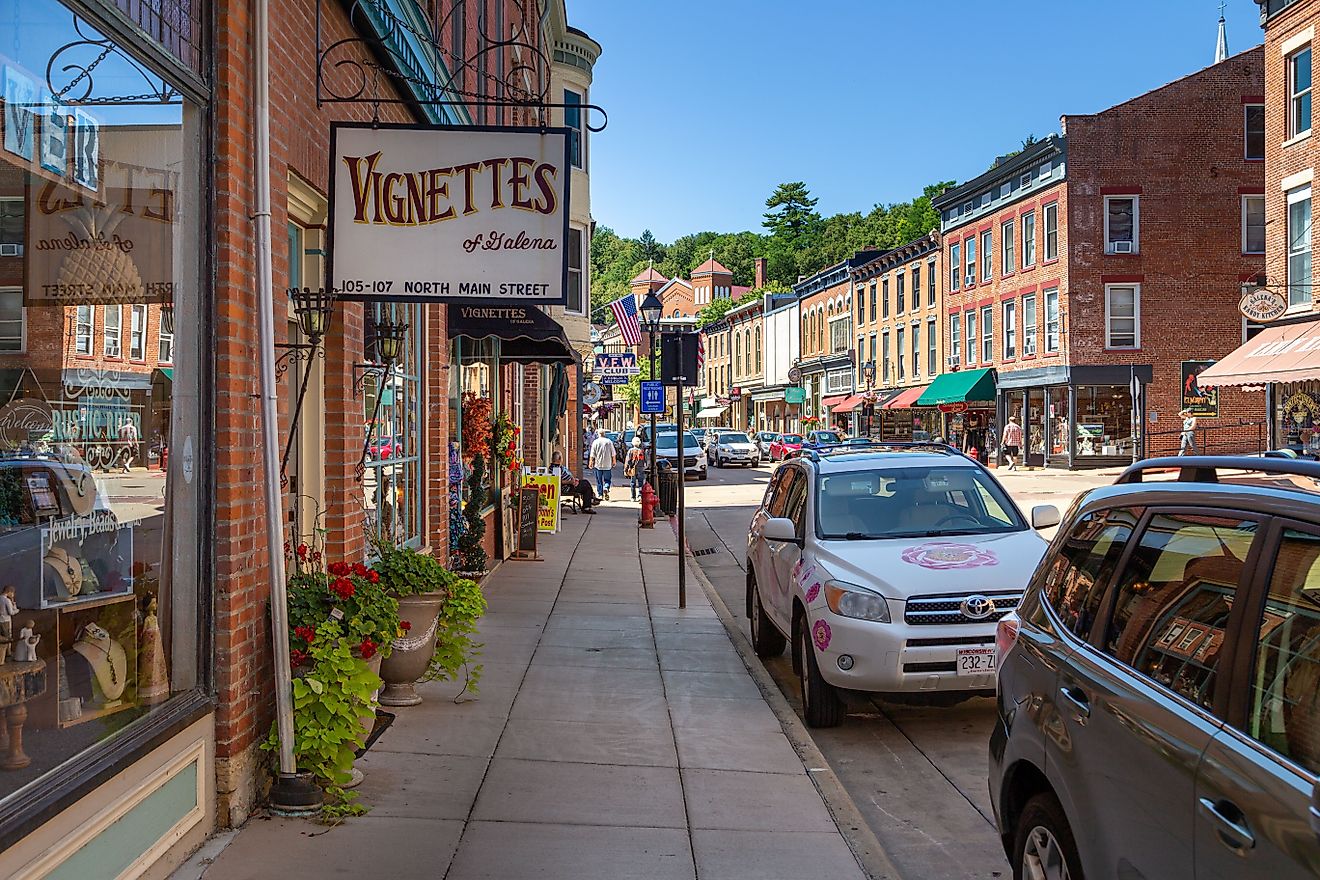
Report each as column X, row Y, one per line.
column 655, row 481
column 682, row 480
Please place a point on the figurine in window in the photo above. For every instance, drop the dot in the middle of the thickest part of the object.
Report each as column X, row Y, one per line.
column 8, row 608
column 25, row 650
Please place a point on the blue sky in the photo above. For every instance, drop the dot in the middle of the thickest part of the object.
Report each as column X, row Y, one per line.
column 713, row 103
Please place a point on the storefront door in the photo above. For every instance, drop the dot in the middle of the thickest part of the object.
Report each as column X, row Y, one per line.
column 1037, row 426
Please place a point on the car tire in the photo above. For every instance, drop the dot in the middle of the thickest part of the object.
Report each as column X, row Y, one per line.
column 767, row 641
column 703, row 475
column 1044, row 836
column 821, row 706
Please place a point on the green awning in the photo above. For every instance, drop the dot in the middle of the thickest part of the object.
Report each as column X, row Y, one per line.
column 965, row 385
column 168, row 372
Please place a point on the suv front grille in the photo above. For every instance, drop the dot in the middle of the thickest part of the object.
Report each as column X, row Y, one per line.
column 947, row 609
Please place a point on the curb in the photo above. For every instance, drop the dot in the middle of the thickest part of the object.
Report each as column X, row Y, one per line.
column 866, row 848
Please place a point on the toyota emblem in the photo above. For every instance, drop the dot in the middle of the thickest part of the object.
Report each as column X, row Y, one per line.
column 977, row 607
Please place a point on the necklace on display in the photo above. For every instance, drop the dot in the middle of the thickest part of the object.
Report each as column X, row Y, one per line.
column 109, row 659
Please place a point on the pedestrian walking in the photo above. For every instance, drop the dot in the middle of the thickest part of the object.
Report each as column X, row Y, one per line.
column 601, row 459
column 571, row 485
column 1187, row 442
column 128, row 436
column 1012, row 442
column 634, row 467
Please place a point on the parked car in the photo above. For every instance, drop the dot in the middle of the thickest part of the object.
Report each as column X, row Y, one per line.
column 623, row 444
column 1159, row 684
column 785, row 446
column 886, row 571
column 763, row 440
column 733, row 447
column 694, row 460
column 708, row 435
column 385, row 448
column 820, row 439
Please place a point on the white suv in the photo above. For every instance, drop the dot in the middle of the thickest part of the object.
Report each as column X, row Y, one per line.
column 888, row 568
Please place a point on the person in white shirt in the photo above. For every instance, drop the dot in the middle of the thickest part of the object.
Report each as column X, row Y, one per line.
column 1187, row 442
column 601, row 458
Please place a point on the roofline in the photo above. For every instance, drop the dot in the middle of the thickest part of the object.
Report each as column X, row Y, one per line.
column 1050, row 146
column 912, row 250
column 1146, row 94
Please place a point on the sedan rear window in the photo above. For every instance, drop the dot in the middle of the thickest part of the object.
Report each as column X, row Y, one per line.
column 791, row 438
column 913, row 502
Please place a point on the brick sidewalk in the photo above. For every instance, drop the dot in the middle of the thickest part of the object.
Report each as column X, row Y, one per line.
column 615, row 736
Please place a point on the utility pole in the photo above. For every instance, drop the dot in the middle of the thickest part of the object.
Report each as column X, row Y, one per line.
column 682, row 480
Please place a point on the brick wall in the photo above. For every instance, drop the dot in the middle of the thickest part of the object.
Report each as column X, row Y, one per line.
column 816, row 334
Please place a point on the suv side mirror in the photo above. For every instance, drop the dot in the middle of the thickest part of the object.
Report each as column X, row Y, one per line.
column 1044, row 515
column 781, row 528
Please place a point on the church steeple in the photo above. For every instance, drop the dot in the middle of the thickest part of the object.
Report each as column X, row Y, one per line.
column 1221, row 47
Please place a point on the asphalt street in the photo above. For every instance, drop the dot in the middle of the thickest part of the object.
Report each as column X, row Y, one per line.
column 917, row 773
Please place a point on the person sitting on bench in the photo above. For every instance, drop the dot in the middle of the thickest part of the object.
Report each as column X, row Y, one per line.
column 570, row 485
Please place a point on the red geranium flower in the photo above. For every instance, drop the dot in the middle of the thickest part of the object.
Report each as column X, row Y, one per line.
column 367, row 649
column 405, row 625
column 297, row 658
column 302, row 551
column 373, row 576
column 343, row 588
column 306, row 633
column 339, row 568
column 316, row 556
column 359, row 569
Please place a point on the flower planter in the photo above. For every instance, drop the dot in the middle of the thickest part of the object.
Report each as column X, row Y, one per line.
column 411, row 655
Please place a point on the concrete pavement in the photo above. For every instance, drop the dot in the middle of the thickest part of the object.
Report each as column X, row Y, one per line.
column 615, row 736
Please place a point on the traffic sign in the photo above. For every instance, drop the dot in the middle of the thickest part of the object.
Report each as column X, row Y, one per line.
column 653, row 397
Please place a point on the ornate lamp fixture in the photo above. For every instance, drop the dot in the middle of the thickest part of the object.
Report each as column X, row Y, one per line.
column 314, row 310
column 651, row 310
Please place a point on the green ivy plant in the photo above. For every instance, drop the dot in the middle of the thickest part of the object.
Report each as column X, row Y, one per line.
column 455, row 647
column 332, row 712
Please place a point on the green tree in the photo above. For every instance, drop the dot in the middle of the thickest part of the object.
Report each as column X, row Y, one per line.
column 792, row 217
column 650, row 248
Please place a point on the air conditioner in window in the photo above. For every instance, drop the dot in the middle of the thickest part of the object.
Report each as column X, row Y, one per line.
column 1029, row 348
column 1121, row 247
column 953, row 360
column 11, row 250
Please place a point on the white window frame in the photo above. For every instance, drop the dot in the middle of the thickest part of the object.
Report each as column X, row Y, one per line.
column 955, row 266
column 584, row 261
column 899, row 353
column 987, row 255
column 1136, row 222
column 1136, row 316
column 971, row 349
column 955, row 337
column 1053, row 341
column 1046, row 212
column 1245, row 199
column 1028, row 242
column 1301, row 193
column 22, row 321
column 1029, row 328
column 1246, row 153
column 83, row 342
column 969, row 261
column 932, row 347
column 1007, row 247
column 915, row 330
column 1009, row 319
column 987, row 334
column 118, row 332
column 137, row 335
column 1294, row 95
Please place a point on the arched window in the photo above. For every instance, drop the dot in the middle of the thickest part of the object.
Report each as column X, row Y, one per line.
column 758, row 349
column 737, row 355
column 747, row 349
column 820, row 337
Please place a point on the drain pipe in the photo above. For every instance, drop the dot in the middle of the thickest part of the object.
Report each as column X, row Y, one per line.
column 291, row 792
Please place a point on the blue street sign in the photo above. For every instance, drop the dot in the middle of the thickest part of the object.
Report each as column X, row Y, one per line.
column 653, row 397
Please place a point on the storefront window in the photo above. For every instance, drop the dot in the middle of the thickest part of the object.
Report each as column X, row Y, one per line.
column 1059, row 422
column 100, row 449
column 472, row 406
column 1104, row 420
column 1297, row 416
column 391, row 482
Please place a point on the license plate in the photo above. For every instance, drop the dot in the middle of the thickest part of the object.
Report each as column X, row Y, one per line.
column 976, row 661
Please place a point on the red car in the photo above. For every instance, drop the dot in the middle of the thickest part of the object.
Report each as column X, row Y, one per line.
column 786, row 446
column 385, row 448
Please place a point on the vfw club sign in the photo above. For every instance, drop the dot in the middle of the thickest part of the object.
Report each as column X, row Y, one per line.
column 449, row 214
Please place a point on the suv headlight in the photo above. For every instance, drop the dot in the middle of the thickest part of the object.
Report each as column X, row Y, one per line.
column 850, row 600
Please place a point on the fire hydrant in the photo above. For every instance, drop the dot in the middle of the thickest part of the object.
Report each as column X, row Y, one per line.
column 649, row 503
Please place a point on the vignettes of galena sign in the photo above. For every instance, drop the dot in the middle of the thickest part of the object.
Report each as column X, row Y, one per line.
column 476, row 213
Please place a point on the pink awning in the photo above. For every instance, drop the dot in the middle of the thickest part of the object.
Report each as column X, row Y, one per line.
column 849, row 405
column 1290, row 353
column 833, row 401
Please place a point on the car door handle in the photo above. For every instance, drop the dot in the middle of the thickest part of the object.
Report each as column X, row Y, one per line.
column 1232, row 831
column 1077, row 699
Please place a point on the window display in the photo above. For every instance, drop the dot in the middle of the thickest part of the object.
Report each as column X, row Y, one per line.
column 391, row 480
column 99, row 450
column 1104, row 420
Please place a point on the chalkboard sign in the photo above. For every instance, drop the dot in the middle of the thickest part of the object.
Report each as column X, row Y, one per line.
column 528, row 500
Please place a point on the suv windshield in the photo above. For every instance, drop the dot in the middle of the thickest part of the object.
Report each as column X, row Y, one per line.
column 734, row 438
column 689, row 440
column 912, row 502
column 826, row 437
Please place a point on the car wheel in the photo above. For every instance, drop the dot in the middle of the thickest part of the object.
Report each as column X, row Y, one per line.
column 821, row 706
column 766, row 640
column 1044, row 846
column 703, row 475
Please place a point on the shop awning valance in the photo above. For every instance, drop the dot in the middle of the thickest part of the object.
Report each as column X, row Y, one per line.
column 907, row 398
column 711, row 412
column 849, row 404
column 1290, row 353
column 527, row 334
column 120, row 380
column 965, row 385
column 833, row 401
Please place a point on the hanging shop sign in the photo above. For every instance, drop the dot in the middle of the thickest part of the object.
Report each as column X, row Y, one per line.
column 1203, row 401
column 958, row 406
column 590, row 394
column 1262, row 305
column 616, row 369
column 449, row 214
column 795, row 395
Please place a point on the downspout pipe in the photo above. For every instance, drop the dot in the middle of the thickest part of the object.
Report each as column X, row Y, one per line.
column 291, row 792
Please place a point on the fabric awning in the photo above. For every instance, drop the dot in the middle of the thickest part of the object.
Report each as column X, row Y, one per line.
column 167, row 372
column 907, row 398
column 527, row 334
column 850, row 404
column 833, row 400
column 121, row 380
column 711, row 412
column 965, row 385
column 1289, row 353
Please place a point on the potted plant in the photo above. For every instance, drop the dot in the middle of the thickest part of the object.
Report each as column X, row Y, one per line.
column 420, row 584
column 349, row 593
column 470, row 557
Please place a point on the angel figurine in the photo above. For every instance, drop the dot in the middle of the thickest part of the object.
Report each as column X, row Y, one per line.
column 25, row 651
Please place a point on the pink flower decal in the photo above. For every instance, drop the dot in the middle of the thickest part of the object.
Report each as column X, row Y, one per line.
column 944, row 555
column 820, row 632
column 813, row 592
column 797, row 568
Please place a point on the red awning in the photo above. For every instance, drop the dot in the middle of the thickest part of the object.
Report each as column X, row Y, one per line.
column 834, row 401
column 906, row 398
column 849, row 405
column 1289, row 353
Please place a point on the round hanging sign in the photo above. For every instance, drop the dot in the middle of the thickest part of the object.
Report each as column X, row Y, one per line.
column 1262, row 305
column 23, row 420
column 591, row 394
column 794, row 375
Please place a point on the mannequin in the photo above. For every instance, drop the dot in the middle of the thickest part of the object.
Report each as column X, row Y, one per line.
column 108, row 660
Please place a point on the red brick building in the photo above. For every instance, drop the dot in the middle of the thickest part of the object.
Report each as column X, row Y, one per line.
column 1078, row 262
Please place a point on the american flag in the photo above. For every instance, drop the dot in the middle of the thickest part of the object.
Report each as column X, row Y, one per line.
column 701, row 350
column 625, row 313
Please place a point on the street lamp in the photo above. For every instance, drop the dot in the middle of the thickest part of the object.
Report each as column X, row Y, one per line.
column 868, row 376
column 651, row 310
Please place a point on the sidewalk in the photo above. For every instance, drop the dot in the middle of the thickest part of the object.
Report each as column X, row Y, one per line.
column 615, row 736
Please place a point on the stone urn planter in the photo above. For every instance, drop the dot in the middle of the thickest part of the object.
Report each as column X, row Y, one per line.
column 411, row 654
